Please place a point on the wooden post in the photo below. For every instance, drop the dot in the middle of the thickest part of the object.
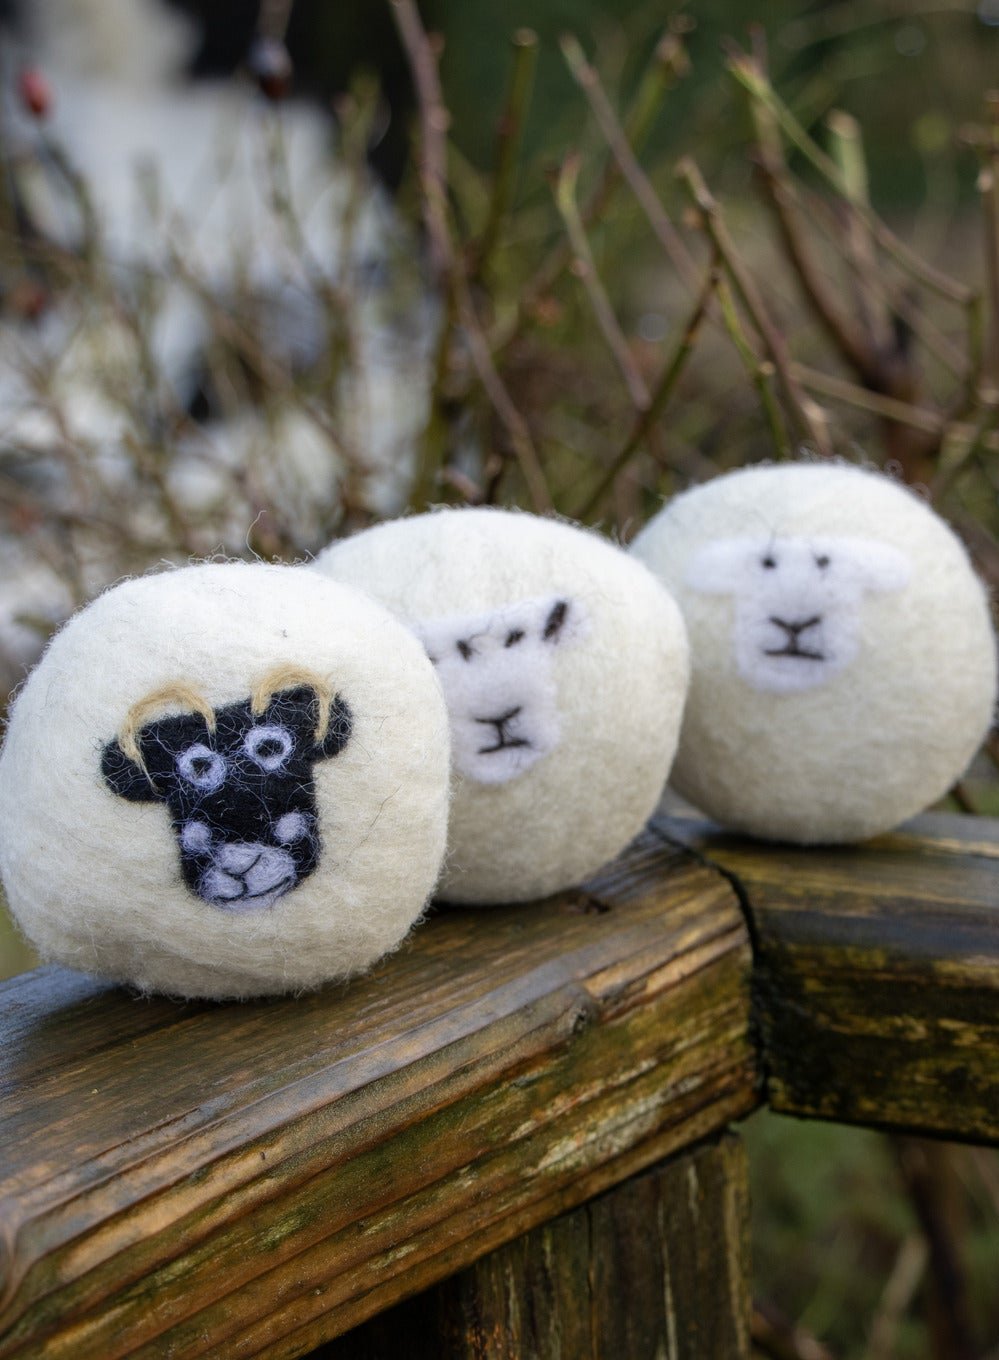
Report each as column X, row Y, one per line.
column 655, row 1267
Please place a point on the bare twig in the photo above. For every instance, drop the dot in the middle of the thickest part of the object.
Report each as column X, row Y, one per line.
column 761, row 371
column 809, row 413
column 780, row 1339
column 525, row 55
column 449, row 270
column 748, row 74
column 848, row 152
column 926, row 1176
column 668, row 62
column 585, row 269
column 667, row 235
column 660, row 395
column 434, row 123
column 897, row 1295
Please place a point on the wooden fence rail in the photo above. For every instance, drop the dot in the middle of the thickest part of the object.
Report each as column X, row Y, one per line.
column 511, row 1139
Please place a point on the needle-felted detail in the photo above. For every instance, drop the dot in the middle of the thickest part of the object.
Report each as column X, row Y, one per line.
column 238, row 785
column 798, row 601
column 498, row 680
column 564, row 666
column 844, row 661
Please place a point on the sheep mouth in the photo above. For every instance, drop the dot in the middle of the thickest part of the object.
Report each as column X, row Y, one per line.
column 793, row 650
column 504, row 741
column 248, row 884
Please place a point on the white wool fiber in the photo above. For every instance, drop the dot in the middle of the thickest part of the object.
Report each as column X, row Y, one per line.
column 575, row 676
column 843, row 656
column 94, row 879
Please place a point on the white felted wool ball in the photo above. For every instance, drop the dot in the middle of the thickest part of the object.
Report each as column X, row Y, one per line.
column 564, row 665
column 227, row 780
column 843, row 659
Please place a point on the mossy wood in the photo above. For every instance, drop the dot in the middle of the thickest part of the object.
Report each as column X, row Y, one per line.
column 876, row 979
column 251, row 1180
column 654, row 1267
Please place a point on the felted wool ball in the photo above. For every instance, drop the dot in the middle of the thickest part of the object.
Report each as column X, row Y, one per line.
column 564, row 666
column 225, row 781
column 844, row 663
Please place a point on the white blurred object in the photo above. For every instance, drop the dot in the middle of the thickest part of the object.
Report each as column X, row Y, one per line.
column 181, row 177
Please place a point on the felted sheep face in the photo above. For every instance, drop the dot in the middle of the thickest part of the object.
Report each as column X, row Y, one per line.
column 797, row 602
column 499, row 683
column 564, row 666
column 251, row 799
column 238, row 784
column 843, row 660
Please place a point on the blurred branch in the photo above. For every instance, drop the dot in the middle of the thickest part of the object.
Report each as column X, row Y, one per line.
column 434, row 123
column 448, row 267
column 667, row 63
column 511, row 126
column 747, row 72
column 928, row 1179
column 809, row 413
column 760, row 371
column 585, row 270
column 896, row 1298
column 780, row 1339
column 589, row 82
column 659, row 398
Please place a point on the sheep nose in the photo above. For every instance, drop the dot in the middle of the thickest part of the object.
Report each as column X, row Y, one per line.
column 795, row 627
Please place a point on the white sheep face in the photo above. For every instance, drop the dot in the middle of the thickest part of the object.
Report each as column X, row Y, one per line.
column 499, row 684
column 136, row 870
column 798, row 602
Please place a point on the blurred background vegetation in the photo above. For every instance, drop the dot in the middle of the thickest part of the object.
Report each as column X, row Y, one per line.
column 563, row 254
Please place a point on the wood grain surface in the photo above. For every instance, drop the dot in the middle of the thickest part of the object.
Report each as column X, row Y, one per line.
column 656, row 1266
column 252, row 1179
column 876, row 984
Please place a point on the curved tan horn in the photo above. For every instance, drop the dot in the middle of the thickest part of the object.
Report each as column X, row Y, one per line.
column 291, row 677
column 178, row 694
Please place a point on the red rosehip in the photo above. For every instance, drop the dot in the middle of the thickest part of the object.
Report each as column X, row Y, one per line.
column 271, row 67
column 35, row 92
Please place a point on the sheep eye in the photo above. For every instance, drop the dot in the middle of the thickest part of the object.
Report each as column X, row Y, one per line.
column 822, row 562
column 514, row 637
column 769, row 561
column 465, row 650
column 202, row 767
column 268, row 746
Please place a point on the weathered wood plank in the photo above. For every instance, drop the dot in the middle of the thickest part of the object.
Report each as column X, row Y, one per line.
column 250, row 1180
column 876, row 982
column 655, row 1267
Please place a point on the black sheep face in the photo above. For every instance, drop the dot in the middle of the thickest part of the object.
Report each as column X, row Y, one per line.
column 241, row 796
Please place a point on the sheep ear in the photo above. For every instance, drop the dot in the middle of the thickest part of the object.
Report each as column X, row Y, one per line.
column 341, row 725
column 718, row 568
column 879, row 566
column 125, row 778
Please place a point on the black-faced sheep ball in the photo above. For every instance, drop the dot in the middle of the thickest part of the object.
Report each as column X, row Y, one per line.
column 564, row 666
column 224, row 781
column 843, row 657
